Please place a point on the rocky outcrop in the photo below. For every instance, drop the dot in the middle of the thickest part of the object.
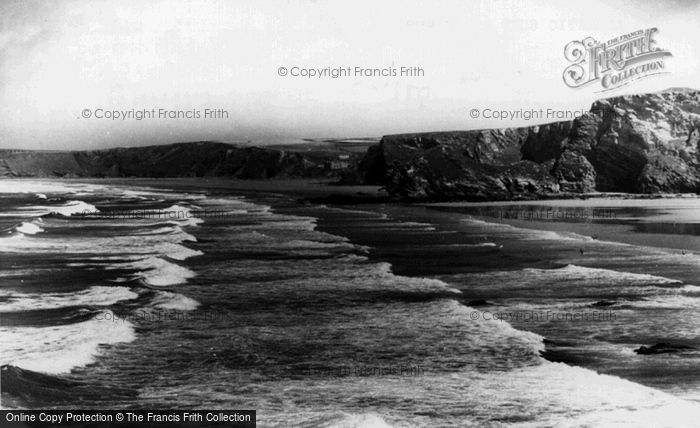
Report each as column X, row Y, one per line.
column 602, row 304
column 201, row 159
column 636, row 144
column 662, row 348
column 457, row 165
column 642, row 143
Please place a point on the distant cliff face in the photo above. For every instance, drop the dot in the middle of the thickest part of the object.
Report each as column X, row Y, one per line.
column 638, row 144
column 203, row 159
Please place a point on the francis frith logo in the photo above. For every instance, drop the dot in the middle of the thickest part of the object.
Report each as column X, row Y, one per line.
column 615, row 63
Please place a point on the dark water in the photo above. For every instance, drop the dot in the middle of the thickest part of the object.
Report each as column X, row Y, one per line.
column 322, row 316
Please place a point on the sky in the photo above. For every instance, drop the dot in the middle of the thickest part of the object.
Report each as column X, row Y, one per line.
column 65, row 66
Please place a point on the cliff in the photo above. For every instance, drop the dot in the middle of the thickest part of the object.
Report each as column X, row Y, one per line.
column 201, row 159
column 636, row 144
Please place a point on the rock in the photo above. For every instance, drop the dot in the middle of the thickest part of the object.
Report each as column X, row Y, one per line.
column 574, row 173
column 603, row 303
column 635, row 143
column 546, row 142
column 662, row 348
column 477, row 303
column 199, row 159
column 668, row 174
column 472, row 165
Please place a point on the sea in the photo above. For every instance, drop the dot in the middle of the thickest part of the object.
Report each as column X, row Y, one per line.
column 128, row 296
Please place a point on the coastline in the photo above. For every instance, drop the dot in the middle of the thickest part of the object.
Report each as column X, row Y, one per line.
column 415, row 247
column 610, row 228
column 641, row 222
column 302, row 188
column 314, row 189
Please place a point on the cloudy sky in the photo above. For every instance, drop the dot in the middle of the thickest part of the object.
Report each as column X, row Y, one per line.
column 60, row 58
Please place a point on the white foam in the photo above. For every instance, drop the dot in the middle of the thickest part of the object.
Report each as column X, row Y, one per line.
column 159, row 231
column 163, row 244
column 581, row 271
column 298, row 243
column 192, row 222
column 29, row 229
column 178, row 252
column 237, row 205
column 13, row 243
column 174, row 301
column 158, row 272
column 184, row 215
column 675, row 301
column 94, row 296
column 527, row 234
column 25, row 186
column 572, row 280
column 623, row 403
column 140, row 194
column 67, row 209
column 411, row 225
column 183, row 236
column 365, row 420
column 62, row 348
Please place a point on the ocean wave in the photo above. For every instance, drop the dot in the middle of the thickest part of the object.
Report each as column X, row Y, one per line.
column 62, row 348
column 574, row 271
column 159, row 245
column 237, row 204
column 524, row 234
column 67, row 209
column 27, row 186
column 159, row 231
column 675, row 301
column 341, row 420
column 177, row 231
column 185, row 214
column 551, row 395
column 94, row 296
column 151, row 193
column 29, row 228
column 568, row 282
column 173, row 301
column 302, row 244
column 158, row 272
column 409, row 225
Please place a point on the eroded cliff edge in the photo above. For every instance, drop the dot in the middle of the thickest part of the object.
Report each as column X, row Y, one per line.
column 197, row 159
column 635, row 144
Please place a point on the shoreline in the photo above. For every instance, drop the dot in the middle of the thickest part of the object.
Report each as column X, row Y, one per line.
column 302, row 188
column 328, row 191
column 658, row 232
column 315, row 187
